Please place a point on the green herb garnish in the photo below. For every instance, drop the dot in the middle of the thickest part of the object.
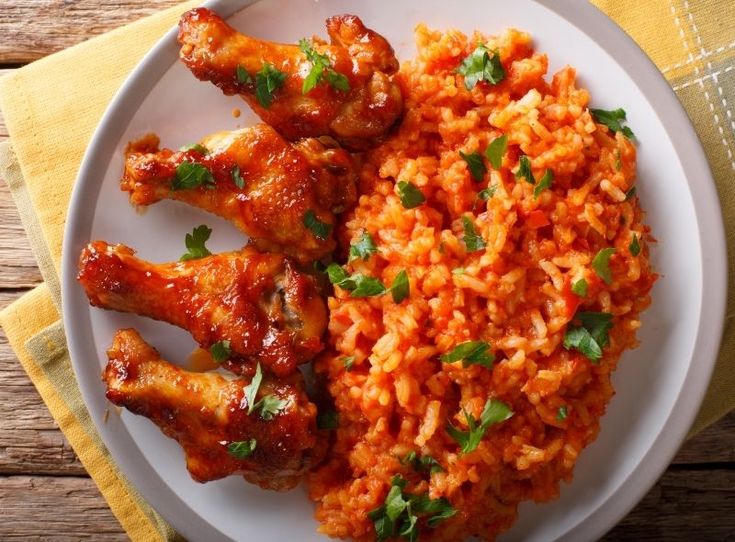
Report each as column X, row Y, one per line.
column 243, row 76
column 363, row 248
column 201, row 149
column 220, row 351
column 400, row 287
column 237, row 177
column 195, row 243
column 601, row 264
column 321, row 66
column 487, row 193
column 242, row 448
column 348, row 362
column 421, row 464
column 358, row 284
column 591, row 336
column 410, row 195
column 524, row 169
column 544, row 183
column 495, row 411
column 634, row 247
column 471, row 353
column 270, row 405
column 267, row 81
column 321, row 230
column 191, row 175
column 459, row 271
column 251, row 390
column 580, row 288
column 561, row 414
column 474, row 164
column 472, row 240
column 496, row 150
column 613, row 119
column 630, row 193
column 480, row 66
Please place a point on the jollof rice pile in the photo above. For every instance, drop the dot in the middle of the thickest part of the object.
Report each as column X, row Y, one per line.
column 392, row 393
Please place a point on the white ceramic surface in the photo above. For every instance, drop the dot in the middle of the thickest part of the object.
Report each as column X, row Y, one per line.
column 660, row 385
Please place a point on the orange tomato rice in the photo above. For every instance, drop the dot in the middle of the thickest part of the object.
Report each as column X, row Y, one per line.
column 515, row 294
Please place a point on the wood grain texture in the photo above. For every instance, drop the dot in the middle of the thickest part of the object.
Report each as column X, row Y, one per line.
column 41, row 27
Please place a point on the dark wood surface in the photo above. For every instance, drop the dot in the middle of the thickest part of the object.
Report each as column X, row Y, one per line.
column 45, row 492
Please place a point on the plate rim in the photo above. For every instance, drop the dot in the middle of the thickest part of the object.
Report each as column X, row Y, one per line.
column 713, row 256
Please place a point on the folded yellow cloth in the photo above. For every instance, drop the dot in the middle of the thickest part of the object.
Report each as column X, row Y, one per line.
column 52, row 106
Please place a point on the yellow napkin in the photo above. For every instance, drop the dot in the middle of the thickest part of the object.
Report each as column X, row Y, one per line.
column 52, row 106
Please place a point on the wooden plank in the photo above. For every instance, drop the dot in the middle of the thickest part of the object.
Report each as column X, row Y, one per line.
column 18, row 267
column 3, row 128
column 714, row 444
column 684, row 505
column 36, row 508
column 36, row 28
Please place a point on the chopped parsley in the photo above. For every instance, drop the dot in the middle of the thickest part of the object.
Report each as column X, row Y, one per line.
column 421, row 464
column 251, row 390
column 191, row 175
column 198, row 147
column 591, row 336
column 496, row 150
column 480, row 66
column 267, row 81
column 524, row 169
column 400, row 287
column 242, row 448
column 410, row 195
column 580, row 288
column 544, row 183
column 237, row 177
column 321, row 230
column 634, row 247
column 327, row 420
column 399, row 514
column 561, row 414
column 269, row 405
column 601, row 264
column 472, row 240
column 348, row 362
column 363, row 248
column 487, row 193
column 495, row 411
column 195, row 243
column 613, row 119
column 321, row 67
column 358, row 284
column 475, row 164
column 243, row 76
column 471, row 353
column 459, row 271
column 630, row 194
column 220, row 351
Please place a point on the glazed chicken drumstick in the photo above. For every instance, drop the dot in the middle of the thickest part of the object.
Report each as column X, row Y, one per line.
column 269, row 442
column 282, row 195
column 343, row 89
column 256, row 306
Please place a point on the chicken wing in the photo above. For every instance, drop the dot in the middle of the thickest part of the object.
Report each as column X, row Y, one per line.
column 266, row 309
column 355, row 100
column 270, row 189
column 206, row 413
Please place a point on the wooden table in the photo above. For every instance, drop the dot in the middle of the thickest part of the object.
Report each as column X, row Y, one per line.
column 44, row 491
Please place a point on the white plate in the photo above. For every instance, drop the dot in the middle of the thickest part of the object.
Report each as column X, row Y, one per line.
column 660, row 385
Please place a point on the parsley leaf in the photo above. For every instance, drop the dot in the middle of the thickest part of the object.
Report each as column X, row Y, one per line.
column 495, row 411
column 459, row 271
column 220, row 351
column 242, row 448
column 544, row 183
column 321, row 230
column 201, row 149
column 474, row 164
column 195, row 241
column 601, row 264
column 613, row 119
column 363, row 248
column 327, row 420
column 236, row 177
column 495, row 151
column 561, row 414
column 630, row 194
column 358, row 284
column 422, row 464
column 472, row 240
column 243, row 76
column 524, row 169
column 399, row 514
column 320, row 66
column 270, row 405
column 191, row 175
column 471, row 353
column 251, row 390
column 592, row 336
column 267, row 81
column 348, row 362
column 410, row 195
column 480, row 66
column 400, row 288
column 634, row 247
column 580, row 288
column 487, row 193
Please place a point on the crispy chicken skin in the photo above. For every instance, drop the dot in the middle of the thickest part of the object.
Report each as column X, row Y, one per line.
column 357, row 117
column 205, row 412
column 282, row 182
column 269, row 311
